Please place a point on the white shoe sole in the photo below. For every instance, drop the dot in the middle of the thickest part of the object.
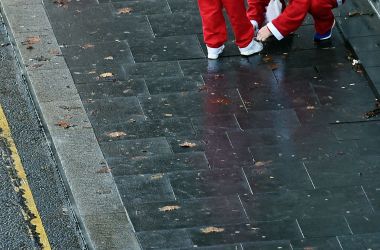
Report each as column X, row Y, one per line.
column 253, row 48
column 213, row 53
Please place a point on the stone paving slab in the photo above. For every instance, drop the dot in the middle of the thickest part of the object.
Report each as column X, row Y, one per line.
column 262, row 152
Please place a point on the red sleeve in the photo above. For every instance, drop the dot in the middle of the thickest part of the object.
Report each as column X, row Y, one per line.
column 291, row 19
column 256, row 10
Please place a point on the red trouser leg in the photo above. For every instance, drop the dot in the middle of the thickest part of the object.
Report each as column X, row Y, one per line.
column 214, row 25
column 241, row 25
column 321, row 10
column 256, row 10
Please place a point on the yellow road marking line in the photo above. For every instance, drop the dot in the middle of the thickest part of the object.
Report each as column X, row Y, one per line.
column 27, row 192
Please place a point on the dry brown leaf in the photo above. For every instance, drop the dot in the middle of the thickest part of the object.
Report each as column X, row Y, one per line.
column 104, row 170
column 64, row 124
column 125, row 10
column 116, row 134
column 88, row 46
column 169, row 208
column 105, row 75
column 55, row 52
column 221, row 100
column 208, row 230
column 30, row 40
column 187, row 144
column 62, row 3
column 262, row 163
column 156, row 176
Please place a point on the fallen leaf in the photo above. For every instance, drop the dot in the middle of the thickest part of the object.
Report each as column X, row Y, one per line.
column 105, row 75
column 208, row 230
column 62, row 3
column 221, row 100
column 310, row 107
column 156, row 176
column 30, row 40
column 55, row 52
column 360, row 13
column 116, row 134
column 168, row 115
column 169, row 208
column 187, row 145
column 262, row 163
column 88, row 46
column 374, row 112
column 125, row 10
column 103, row 170
column 108, row 58
column 64, row 124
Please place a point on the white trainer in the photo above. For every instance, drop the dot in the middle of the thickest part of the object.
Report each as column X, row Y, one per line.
column 252, row 48
column 213, row 53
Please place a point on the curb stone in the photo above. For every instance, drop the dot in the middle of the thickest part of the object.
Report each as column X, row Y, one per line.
column 97, row 202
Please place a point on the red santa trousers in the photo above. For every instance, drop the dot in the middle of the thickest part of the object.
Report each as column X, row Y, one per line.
column 214, row 25
column 294, row 14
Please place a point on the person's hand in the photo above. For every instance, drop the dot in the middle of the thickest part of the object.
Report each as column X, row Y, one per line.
column 263, row 34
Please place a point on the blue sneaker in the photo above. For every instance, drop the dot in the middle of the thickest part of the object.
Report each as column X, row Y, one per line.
column 320, row 37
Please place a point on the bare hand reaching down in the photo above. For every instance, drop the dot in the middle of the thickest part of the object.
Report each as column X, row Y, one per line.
column 263, row 34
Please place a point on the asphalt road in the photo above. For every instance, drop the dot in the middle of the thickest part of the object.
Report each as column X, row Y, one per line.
column 35, row 211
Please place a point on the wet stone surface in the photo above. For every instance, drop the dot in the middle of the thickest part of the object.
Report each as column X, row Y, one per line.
column 264, row 152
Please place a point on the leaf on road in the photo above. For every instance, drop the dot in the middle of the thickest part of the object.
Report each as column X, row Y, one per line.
column 108, row 58
column 187, row 144
column 156, row 176
column 125, row 10
column 221, row 100
column 103, row 170
column 169, row 208
column 31, row 40
column 208, row 230
column 106, row 75
column 116, row 134
column 87, row 46
column 64, row 124
column 262, row 163
column 62, row 3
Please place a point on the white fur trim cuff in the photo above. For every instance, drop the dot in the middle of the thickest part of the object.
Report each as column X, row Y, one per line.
column 275, row 31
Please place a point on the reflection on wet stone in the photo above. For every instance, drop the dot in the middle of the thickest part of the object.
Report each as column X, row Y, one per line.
column 264, row 152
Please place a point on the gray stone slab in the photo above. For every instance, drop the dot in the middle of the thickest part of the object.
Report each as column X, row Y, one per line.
column 105, row 236
column 53, row 85
column 27, row 18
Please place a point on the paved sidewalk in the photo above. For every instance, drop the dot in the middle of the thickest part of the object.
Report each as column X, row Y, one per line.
column 265, row 152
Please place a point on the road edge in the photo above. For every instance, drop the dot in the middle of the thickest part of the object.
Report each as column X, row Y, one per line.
column 92, row 189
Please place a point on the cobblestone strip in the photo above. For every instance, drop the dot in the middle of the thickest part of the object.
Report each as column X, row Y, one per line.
column 92, row 187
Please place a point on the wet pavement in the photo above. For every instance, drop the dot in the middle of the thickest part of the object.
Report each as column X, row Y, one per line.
column 264, row 152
